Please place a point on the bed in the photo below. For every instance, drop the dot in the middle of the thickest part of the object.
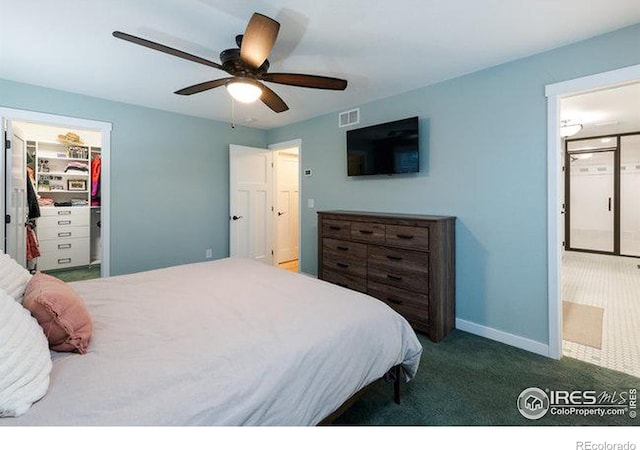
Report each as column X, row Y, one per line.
column 226, row 342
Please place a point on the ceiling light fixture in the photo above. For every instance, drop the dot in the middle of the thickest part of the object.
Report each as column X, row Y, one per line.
column 569, row 129
column 244, row 91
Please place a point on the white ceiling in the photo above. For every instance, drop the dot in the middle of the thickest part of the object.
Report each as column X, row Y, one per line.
column 608, row 111
column 381, row 47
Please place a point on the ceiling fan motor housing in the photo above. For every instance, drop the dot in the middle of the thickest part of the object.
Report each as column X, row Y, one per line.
column 233, row 64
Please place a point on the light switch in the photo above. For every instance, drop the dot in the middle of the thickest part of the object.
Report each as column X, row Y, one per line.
column 311, row 203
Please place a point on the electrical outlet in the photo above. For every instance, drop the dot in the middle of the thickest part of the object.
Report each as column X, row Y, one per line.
column 209, row 253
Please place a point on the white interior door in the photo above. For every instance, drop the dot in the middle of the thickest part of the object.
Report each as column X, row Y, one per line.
column 250, row 203
column 16, row 198
column 287, row 193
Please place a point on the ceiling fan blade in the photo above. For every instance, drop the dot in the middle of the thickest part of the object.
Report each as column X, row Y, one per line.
column 164, row 49
column 201, row 87
column 309, row 81
column 258, row 40
column 272, row 100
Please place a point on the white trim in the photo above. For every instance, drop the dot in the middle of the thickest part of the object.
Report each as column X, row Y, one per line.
column 105, row 177
column 501, row 336
column 281, row 146
column 555, row 92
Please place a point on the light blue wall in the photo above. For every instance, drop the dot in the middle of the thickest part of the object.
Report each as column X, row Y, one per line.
column 484, row 161
column 170, row 176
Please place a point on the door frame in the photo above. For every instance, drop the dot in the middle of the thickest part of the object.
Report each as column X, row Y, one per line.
column 283, row 146
column 11, row 114
column 615, row 205
column 555, row 224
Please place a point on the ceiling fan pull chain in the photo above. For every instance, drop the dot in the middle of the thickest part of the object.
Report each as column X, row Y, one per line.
column 233, row 113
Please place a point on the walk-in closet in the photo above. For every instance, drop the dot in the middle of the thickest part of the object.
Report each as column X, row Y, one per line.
column 62, row 170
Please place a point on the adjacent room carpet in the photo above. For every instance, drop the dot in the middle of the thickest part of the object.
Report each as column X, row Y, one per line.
column 469, row 380
column 582, row 324
column 80, row 273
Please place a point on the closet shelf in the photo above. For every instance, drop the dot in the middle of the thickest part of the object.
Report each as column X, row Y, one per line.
column 72, row 174
column 65, row 191
column 62, row 158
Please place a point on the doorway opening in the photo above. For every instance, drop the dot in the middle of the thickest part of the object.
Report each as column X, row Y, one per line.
column 55, row 193
column 264, row 204
column 286, row 204
column 597, row 219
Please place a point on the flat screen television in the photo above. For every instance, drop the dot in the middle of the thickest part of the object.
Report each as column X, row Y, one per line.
column 386, row 148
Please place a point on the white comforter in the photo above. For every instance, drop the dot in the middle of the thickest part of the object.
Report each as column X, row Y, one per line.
column 228, row 342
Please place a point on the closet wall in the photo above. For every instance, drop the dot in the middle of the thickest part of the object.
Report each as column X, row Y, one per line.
column 64, row 167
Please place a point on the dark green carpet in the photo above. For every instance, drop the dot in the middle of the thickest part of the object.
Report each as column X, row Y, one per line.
column 469, row 380
column 76, row 274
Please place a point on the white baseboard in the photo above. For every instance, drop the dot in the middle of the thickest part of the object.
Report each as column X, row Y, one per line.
column 501, row 336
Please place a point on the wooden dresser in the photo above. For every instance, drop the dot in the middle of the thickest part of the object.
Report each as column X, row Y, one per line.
column 407, row 261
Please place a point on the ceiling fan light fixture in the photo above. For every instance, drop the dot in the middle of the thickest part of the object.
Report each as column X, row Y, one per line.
column 244, row 92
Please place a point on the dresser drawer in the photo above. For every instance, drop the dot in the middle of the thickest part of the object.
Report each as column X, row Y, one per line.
column 48, row 233
column 63, row 253
column 341, row 248
column 336, row 228
column 368, row 232
column 345, row 280
column 56, row 211
column 407, row 237
column 72, row 220
column 402, row 277
column 413, row 307
column 394, row 257
column 345, row 264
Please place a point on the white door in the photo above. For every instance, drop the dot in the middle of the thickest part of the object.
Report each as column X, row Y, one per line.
column 16, row 198
column 250, row 203
column 287, row 193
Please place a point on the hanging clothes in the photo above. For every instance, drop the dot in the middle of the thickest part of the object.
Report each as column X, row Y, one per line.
column 33, row 250
column 32, row 198
column 95, row 180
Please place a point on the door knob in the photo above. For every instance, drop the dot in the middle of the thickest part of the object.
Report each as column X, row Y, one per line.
column 236, row 217
column 280, row 213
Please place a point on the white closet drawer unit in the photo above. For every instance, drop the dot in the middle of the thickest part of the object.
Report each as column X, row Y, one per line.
column 63, row 236
column 72, row 220
column 63, row 253
column 48, row 233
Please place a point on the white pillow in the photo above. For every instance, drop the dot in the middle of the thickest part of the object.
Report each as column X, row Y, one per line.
column 13, row 277
column 25, row 361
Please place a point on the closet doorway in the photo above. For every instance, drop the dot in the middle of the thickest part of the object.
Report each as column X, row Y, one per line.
column 55, row 191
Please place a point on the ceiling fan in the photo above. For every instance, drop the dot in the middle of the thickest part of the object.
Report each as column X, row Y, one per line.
column 248, row 65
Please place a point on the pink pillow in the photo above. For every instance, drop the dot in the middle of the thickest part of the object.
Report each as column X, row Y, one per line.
column 60, row 312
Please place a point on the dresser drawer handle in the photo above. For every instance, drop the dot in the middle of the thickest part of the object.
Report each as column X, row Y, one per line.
column 365, row 231
column 335, row 228
column 394, row 300
column 64, row 213
column 344, row 249
column 394, row 278
column 65, row 234
column 404, row 236
column 64, row 260
column 64, row 222
column 63, row 246
column 342, row 265
column 395, row 258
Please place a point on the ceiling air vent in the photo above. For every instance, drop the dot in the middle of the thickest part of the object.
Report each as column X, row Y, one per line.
column 347, row 118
